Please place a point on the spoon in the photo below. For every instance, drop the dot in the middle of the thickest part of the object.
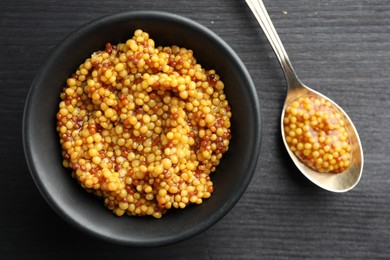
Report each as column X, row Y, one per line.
column 340, row 182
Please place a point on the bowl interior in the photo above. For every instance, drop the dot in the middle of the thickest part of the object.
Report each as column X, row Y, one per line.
column 42, row 147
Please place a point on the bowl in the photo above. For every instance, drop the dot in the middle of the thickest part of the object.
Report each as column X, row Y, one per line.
column 86, row 211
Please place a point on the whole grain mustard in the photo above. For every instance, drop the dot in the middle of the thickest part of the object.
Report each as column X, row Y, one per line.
column 144, row 126
column 315, row 132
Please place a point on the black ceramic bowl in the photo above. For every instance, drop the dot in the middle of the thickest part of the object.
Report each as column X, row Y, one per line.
column 76, row 206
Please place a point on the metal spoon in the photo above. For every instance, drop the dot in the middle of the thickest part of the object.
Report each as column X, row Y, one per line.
column 341, row 182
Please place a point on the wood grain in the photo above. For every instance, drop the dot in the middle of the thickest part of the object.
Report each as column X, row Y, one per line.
column 341, row 48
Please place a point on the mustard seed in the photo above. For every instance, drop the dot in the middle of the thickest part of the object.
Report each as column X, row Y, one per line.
column 131, row 123
column 320, row 133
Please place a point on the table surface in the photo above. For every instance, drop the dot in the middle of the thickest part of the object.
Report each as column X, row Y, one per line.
column 340, row 48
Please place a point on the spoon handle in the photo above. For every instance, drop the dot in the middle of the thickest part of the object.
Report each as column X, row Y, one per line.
column 261, row 14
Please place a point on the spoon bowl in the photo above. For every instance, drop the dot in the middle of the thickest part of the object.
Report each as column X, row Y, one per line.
column 340, row 182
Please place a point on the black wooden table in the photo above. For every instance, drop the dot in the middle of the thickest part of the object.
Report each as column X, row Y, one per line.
column 341, row 48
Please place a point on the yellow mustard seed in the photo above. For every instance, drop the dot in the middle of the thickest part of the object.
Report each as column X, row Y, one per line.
column 323, row 143
column 145, row 126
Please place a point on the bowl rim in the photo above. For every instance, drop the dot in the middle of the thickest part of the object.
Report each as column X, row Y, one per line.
column 130, row 15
